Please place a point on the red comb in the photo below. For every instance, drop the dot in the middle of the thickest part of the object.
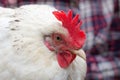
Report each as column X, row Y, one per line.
column 73, row 27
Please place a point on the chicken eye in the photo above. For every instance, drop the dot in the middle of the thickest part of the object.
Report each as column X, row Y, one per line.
column 58, row 38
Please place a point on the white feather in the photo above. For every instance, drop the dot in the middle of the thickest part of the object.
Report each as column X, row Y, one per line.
column 23, row 55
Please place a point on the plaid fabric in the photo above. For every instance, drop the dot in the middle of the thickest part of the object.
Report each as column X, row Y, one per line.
column 102, row 25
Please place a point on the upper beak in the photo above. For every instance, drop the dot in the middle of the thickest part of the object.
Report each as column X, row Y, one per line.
column 80, row 53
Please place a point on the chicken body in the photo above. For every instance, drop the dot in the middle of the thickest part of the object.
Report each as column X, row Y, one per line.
column 23, row 53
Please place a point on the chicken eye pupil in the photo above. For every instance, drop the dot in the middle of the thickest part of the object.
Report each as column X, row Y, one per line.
column 58, row 38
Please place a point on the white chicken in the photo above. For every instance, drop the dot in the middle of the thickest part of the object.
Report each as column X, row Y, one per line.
column 37, row 42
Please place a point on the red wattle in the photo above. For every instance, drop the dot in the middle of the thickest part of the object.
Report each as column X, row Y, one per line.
column 65, row 58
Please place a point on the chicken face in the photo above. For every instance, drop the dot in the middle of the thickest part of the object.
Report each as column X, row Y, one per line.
column 64, row 46
column 57, row 42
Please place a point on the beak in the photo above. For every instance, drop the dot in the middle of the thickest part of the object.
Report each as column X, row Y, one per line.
column 80, row 53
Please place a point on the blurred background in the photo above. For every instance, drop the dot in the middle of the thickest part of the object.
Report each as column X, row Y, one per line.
column 101, row 22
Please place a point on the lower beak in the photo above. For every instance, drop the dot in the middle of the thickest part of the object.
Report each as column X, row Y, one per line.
column 80, row 53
